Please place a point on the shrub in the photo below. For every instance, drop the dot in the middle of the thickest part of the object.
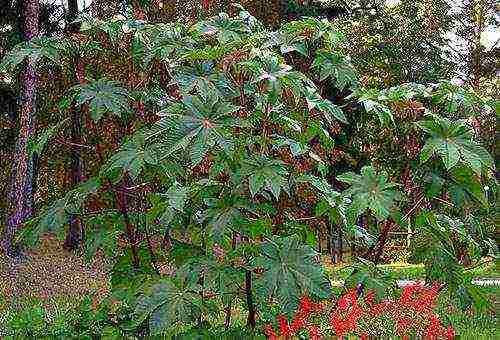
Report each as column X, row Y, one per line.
column 412, row 314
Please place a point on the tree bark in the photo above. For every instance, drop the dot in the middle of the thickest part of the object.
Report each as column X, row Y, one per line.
column 250, row 304
column 72, row 10
column 21, row 182
column 75, row 231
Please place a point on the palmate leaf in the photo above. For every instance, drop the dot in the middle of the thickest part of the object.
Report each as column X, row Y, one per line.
column 225, row 213
column 336, row 67
column 225, row 28
column 464, row 185
column 287, row 42
column 221, row 277
column 169, row 302
column 370, row 191
column 290, row 271
column 198, row 125
column 132, row 157
column 330, row 110
column 383, row 113
column 454, row 97
column 162, row 41
column 203, row 78
column 265, row 174
column 102, row 96
column 452, row 142
column 51, row 49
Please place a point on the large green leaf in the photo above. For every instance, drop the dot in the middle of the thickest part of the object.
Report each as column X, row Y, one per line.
column 168, row 303
column 265, row 174
column 291, row 269
column 334, row 66
column 198, row 125
column 203, row 78
column 103, row 96
column 452, row 141
column 225, row 213
column 370, row 191
column 226, row 29
column 132, row 157
column 39, row 48
column 330, row 110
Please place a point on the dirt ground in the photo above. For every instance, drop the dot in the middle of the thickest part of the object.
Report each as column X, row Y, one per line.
column 50, row 272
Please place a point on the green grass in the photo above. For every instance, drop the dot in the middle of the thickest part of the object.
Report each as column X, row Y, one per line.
column 412, row 271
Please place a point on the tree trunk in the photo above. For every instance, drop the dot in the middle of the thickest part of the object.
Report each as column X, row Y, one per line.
column 75, row 231
column 21, row 185
column 72, row 15
column 250, row 304
column 227, row 321
column 72, row 10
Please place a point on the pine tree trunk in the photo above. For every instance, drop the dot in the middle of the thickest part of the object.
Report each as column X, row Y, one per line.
column 21, row 183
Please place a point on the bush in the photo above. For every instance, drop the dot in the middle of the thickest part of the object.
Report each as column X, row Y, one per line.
column 412, row 314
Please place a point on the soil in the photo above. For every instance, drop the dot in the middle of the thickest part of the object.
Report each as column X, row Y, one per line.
column 49, row 272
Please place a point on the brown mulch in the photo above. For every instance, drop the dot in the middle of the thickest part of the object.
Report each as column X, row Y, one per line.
column 50, row 272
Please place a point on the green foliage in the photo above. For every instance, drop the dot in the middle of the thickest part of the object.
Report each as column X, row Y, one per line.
column 335, row 66
column 169, row 302
column 102, row 96
column 38, row 145
column 370, row 191
column 34, row 319
column 371, row 277
column 291, row 270
column 37, row 49
column 265, row 174
column 452, row 142
column 441, row 245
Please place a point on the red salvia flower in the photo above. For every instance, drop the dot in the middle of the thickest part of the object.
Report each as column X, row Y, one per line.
column 370, row 297
column 450, row 333
column 314, row 332
column 285, row 329
column 270, row 333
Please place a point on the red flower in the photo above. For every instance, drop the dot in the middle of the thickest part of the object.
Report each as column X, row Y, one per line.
column 297, row 324
column 285, row 329
column 434, row 327
column 379, row 308
column 346, row 300
column 314, row 332
column 206, row 4
column 269, row 332
column 370, row 297
column 402, row 325
column 306, row 307
column 450, row 333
